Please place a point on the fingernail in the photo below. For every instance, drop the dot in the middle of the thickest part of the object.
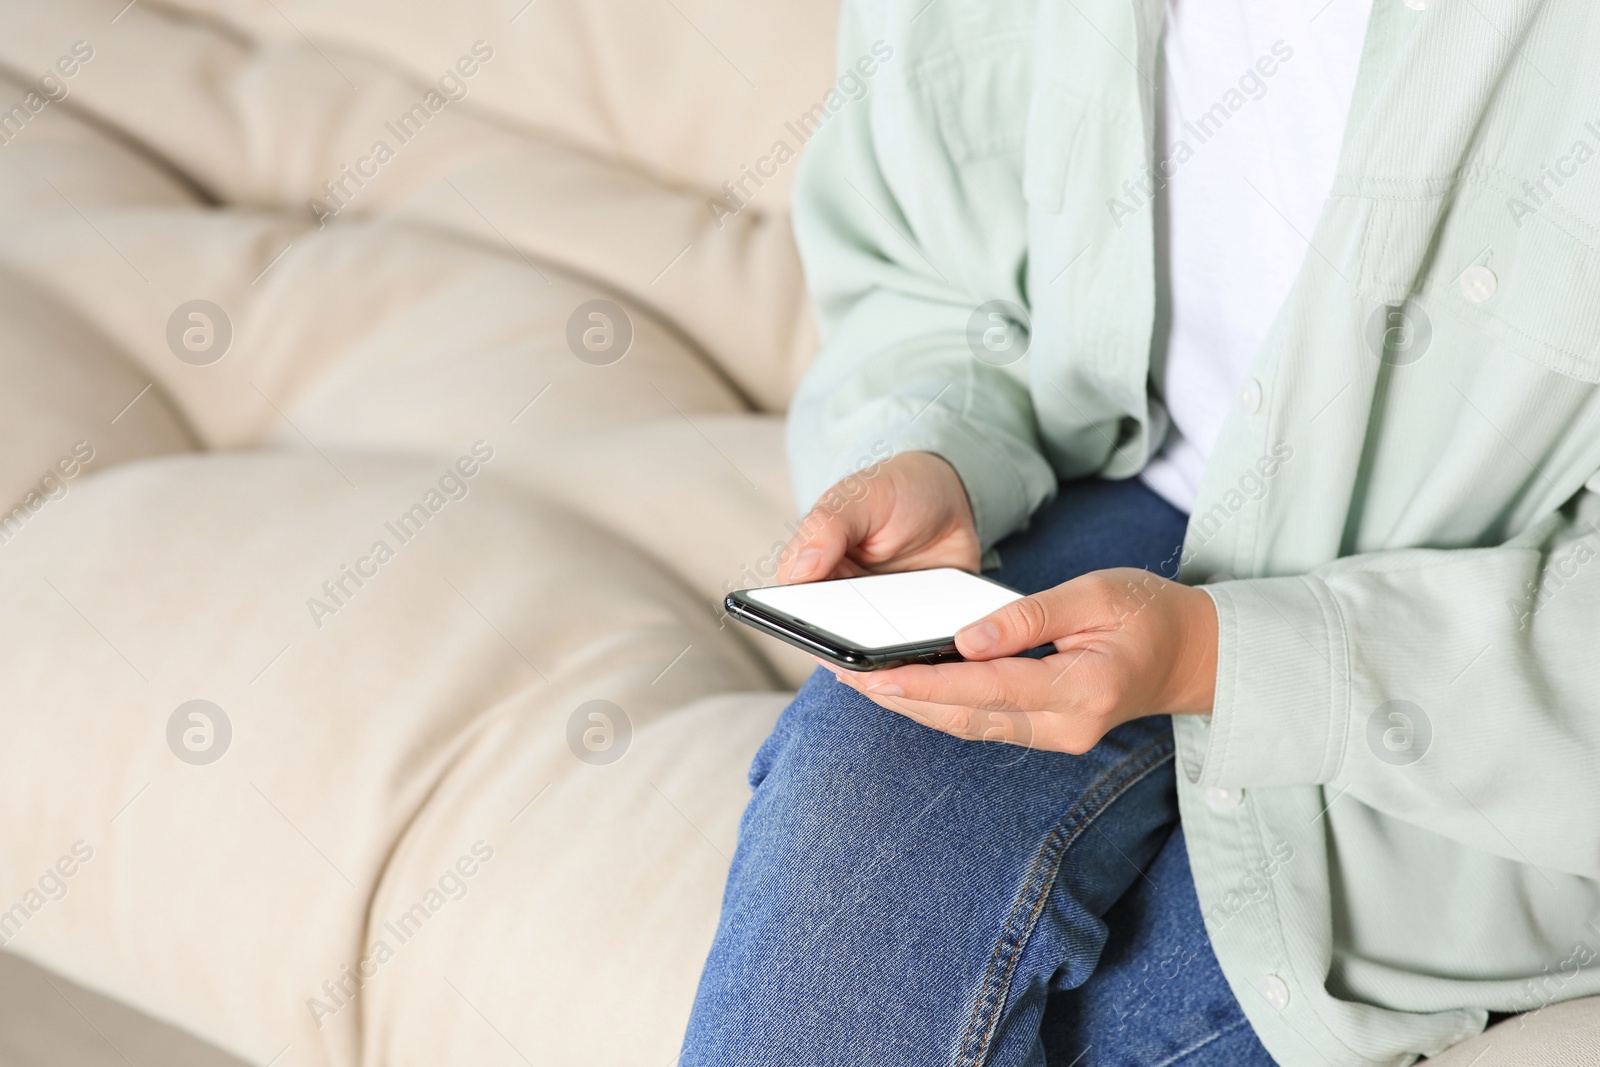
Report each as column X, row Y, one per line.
column 885, row 689
column 980, row 637
column 804, row 564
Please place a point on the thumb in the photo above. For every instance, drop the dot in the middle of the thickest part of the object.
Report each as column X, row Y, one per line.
column 825, row 536
column 1028, row 623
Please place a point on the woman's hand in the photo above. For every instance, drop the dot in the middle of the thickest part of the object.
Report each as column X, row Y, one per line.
column 1128, row 644
column 908, row 513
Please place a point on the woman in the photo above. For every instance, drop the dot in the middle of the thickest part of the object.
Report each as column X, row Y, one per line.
column 1261, row 344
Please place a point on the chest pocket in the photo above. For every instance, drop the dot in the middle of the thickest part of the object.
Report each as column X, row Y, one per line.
column 1527, row 276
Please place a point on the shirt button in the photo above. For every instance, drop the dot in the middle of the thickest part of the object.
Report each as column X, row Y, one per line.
column 1250, row 396
column 1417, row 5
column 1275, row 991
column 1478, row 283
column 1221, row 798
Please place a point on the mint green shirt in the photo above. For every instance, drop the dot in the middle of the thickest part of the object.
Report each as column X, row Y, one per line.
column 1393, row 813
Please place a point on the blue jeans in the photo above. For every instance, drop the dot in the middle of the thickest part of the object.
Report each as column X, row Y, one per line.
column 902, row 898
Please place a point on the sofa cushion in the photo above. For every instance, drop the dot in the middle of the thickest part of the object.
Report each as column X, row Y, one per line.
column 277, row 124
column 1559, row 1035
column 71, row 404
column 688, row 92
column 373, row 727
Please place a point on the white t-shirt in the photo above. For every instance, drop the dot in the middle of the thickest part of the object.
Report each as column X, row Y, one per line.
column 1254, row 99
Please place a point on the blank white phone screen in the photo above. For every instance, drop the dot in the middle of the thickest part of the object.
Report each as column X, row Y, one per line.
column 883, row 610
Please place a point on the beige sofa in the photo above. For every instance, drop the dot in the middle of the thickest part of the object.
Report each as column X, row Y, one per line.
column 468, row 798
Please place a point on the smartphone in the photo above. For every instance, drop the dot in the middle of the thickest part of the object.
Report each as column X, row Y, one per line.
column 874, row 622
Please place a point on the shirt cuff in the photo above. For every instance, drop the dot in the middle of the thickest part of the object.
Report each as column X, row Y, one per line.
column 1282, row 705
column 1005, row 481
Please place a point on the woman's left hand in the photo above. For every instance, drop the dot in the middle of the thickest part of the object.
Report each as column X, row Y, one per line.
column 1128, row 644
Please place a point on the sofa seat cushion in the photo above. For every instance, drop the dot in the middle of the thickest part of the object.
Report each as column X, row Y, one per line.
column 374, row 733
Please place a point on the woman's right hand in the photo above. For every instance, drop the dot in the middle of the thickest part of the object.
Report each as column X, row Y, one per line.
column 910, row 513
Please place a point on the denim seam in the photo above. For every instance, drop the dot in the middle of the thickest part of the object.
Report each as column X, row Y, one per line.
column 1198, row 1045
column 1014, row 933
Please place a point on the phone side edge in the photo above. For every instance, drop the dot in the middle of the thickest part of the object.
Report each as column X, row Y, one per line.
column 774, row 624
column 791, row 631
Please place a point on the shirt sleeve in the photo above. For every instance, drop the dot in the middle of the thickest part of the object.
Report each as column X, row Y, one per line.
column 1458, row 690
column 901, row 245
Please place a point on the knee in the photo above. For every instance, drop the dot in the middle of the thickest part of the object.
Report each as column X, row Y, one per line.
column 831, row 735
column 817, row 734
column 841, row 775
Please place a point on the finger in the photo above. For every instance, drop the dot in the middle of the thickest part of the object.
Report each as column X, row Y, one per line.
column 1056, row 726
column 826, row 534
column 945, row 718
column 970, row 724
column 1036, row 620
column 846, row 568
column 1005, row 685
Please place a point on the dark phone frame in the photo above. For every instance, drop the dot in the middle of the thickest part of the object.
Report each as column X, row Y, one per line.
column 831, row 646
